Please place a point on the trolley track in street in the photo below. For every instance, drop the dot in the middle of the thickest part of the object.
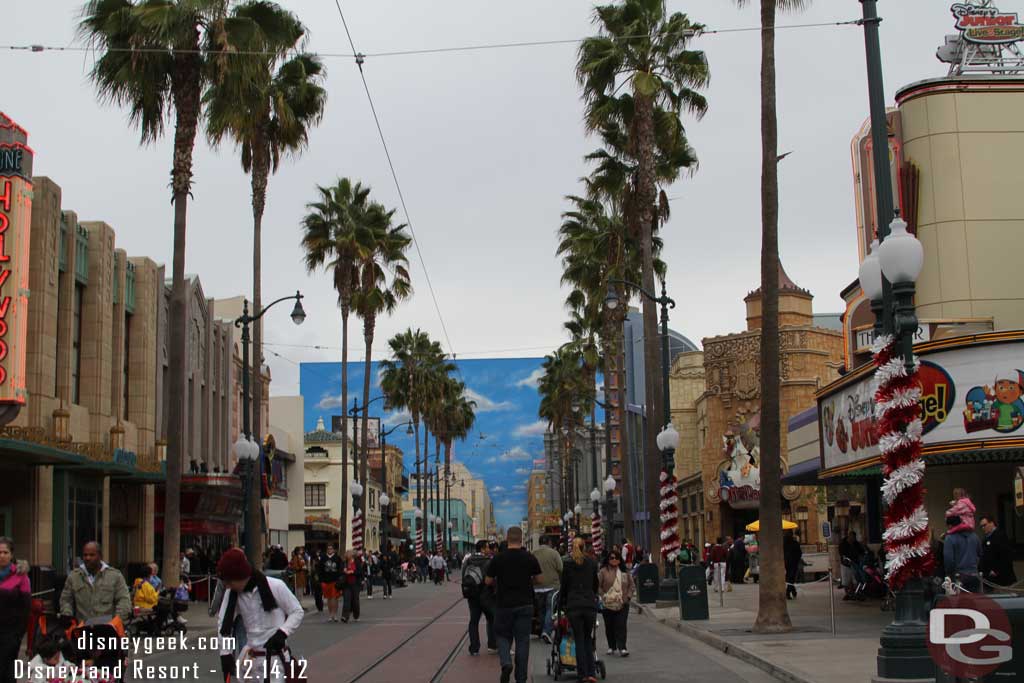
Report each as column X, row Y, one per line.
column 364, row 674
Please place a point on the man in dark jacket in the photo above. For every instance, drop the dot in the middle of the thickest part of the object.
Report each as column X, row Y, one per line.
column 961, row 554
column 481, row 604
column 792, row 556
column 996, row 554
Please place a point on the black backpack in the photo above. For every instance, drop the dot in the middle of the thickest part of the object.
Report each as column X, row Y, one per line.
column 472, row 580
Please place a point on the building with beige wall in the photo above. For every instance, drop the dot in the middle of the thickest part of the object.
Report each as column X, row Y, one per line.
column 716, row 409
column 81, row 459
column 285, row 513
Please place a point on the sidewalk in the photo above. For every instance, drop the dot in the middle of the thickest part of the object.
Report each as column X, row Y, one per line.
column 807, row 654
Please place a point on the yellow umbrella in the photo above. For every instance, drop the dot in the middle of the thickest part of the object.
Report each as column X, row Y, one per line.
column 786, row 525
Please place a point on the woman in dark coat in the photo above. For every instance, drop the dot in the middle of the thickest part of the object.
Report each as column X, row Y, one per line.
column 578, row 597
column 793, row 555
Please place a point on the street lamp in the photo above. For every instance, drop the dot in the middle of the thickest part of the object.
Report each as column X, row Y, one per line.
column 611, row 301
column 247, row 453
column 903, row 653
column 253, row 516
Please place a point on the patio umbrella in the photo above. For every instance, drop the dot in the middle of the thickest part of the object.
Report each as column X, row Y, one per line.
column 786, row 525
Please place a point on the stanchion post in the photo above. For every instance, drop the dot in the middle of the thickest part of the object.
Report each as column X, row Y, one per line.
column 831, row 600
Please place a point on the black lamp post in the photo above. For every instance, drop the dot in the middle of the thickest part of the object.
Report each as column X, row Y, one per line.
column 248, row 449
column 668, row 446
column 896, row 258
column 385, row 499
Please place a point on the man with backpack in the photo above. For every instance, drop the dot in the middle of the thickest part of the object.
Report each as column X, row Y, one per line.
column 479, row 597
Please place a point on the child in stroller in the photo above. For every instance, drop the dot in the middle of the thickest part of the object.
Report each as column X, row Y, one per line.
column 563, row 645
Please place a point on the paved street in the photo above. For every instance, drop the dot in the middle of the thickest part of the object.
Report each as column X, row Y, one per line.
column 437, row 651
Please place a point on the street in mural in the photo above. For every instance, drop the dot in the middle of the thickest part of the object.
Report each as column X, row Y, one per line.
column 507, row 438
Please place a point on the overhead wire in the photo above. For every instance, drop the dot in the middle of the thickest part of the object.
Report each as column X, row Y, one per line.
column 394, row 175
column 37, row 47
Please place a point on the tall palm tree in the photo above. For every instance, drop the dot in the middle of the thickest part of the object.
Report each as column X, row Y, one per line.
column 155, row 57
column 459, row 418
column 563, row 389
column 772, row 613
column 383, row 282
column 406, row 379
column 333, row 238
column 267, row 112
column 640, row 44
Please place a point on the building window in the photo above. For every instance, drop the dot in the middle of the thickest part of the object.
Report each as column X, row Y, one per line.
column 316, row 495
column 76, row 343
column 124, row 370
column 373, row 499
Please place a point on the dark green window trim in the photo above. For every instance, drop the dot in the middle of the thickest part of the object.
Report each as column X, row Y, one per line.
column 82, row 255
column 129, row 288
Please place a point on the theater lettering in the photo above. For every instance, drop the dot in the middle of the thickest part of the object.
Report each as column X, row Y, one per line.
column 15, row 229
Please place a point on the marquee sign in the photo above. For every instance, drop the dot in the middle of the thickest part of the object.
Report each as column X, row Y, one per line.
column 15, row 229
column 969, row 393
column 986, row 25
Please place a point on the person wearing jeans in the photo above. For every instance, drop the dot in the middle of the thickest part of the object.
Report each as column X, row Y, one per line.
column 578, row 597
column 551, row 567
column 482, row 603
column 616, row 588
column 513, row 572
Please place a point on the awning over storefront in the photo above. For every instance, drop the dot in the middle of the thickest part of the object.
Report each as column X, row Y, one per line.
column 33, row 454
column 803, row 474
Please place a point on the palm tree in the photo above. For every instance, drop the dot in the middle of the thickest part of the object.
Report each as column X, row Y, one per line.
column 563, row 389
column 459, row 417
column 154, row 58
column 640, row 45
column 772, row 613
column 333, row 238
column 267, row 112
column 406, row 378
column 383, row 281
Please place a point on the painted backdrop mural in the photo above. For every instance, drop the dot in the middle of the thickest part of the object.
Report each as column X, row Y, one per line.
column 507, row 438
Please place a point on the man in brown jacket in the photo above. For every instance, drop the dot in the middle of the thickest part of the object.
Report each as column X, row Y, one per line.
column 551, row 572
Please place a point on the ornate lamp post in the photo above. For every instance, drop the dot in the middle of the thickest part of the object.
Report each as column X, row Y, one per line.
column 609, row 502
column 248, row 453
column 253, row 510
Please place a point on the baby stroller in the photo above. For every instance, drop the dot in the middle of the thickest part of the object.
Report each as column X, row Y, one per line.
column 563, row 645
column 90, row 634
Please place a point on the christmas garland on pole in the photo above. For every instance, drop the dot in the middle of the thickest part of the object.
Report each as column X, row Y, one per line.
column 357, row 530
column 419, row 541
column 669, row 517
column 596, row 534
column 898, row 410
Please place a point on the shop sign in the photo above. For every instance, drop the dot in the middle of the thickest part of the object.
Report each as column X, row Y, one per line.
column 741, row 497
column 15, row 226
column 739, row 476
column 866, row 337
column 967, row 393
column 987, row 25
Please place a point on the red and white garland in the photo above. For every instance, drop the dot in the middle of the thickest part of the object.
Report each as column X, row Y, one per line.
column 597, row 534
column 419, row 541
column 357, row 530
column 898, row 409
column 669, row 517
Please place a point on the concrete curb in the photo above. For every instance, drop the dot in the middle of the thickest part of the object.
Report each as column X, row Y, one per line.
column 727, row 647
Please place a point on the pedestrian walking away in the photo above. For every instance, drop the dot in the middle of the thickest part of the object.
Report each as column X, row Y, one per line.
column 479, row 597
column 961, row 555
column 513, row 572
column 578, row 597
column 717, row 558
column 616, row 588
column 329, row 569
column 388, row 565
column 793, row 556
column 270, row 614
column 353, row 573
column 551, row 575
column 15, row 602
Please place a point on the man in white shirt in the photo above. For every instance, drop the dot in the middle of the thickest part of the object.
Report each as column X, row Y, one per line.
column 270, row 614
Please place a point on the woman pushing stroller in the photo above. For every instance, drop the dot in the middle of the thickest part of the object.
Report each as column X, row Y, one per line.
column 578, row 597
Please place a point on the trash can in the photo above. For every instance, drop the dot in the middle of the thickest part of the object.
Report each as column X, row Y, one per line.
column 693, row 593
column 647, row 583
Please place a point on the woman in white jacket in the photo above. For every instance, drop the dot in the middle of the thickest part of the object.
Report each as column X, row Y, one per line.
column 270, row 614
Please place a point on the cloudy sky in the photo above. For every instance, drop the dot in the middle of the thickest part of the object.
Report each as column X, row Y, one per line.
column 486, row 144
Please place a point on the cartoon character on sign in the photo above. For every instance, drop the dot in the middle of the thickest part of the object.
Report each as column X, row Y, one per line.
column 998, row 406
column 828, row 420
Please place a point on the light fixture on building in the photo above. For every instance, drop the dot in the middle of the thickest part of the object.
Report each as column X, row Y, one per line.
column 609, row 484
column 595, row 495
column 668, row 439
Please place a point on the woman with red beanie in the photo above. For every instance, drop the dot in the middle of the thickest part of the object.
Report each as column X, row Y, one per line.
column 270, row 614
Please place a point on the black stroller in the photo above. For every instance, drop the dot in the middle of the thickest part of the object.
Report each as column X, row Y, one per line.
column 562, row 659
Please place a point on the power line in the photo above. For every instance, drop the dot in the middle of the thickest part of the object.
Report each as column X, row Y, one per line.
column 323, row 347
column 406, row 53
column 401, row 196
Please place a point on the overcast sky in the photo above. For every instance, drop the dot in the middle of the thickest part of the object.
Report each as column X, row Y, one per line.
column 486, row 144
